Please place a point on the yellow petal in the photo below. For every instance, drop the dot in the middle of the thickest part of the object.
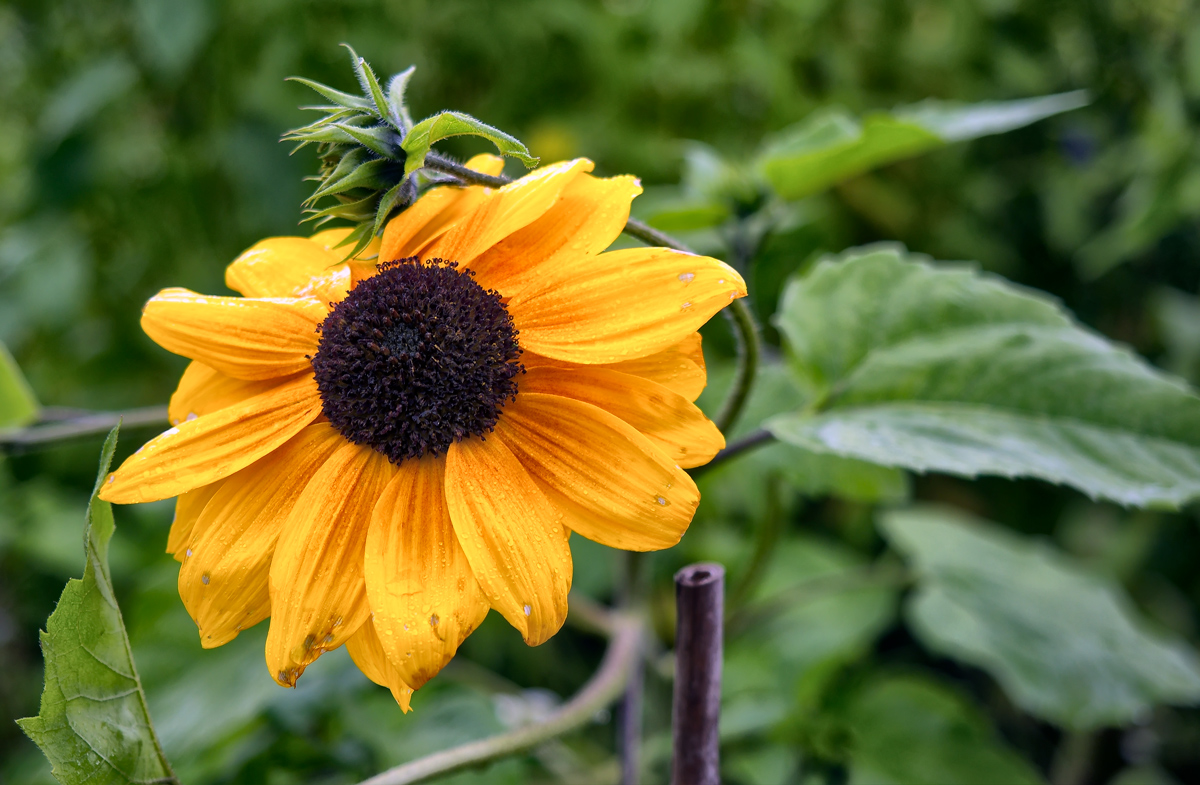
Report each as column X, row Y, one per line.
column 244, row 338
column 367, row 652
column 223, row 581
column 214, row 446
column 424, row 598
column 512, row 535
column 622, row 305
column 679, row 368
column 287, row 267
column 188, row 507
column 318, row 596
column 589, row 214
column 672, row 422
column 504, row 211
column 203, row 390
column 435, row 212
column 612, row 484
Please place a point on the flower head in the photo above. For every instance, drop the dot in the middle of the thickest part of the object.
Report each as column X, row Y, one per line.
column 377, row 452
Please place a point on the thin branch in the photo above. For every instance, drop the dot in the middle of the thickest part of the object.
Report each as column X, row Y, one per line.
column 605, row 686
column 735, row 448
column 80, row 426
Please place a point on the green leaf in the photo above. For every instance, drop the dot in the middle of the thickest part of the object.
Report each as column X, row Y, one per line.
column 831, row 145
column 18, row 404
column 446, row 124
column 943, row 368
column 93, row 724
column 911, row 730
column 1065, row 644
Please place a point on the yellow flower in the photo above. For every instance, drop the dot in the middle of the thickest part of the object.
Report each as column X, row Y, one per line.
column 376, row 454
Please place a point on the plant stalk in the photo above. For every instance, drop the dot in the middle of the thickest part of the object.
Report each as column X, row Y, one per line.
column 79, row 426
column 605, row 686
column 699, row 632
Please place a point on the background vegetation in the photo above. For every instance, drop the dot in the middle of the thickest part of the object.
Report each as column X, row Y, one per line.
column 138, row 149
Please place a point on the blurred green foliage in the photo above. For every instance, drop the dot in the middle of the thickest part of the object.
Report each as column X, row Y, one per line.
column 138, row 149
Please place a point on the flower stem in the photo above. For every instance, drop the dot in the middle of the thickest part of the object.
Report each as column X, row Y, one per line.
column 605, row 686
column 78, row 426
column 631, row 598
column 735, row 448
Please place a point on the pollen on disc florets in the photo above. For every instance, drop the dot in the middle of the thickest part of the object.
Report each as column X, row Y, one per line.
column 415, row 358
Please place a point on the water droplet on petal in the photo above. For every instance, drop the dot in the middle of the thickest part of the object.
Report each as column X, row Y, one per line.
column 191, row 416
column 433, row 620
column 528, row 610
column 662, row 501
column 685, row 306
column 687, row 277
column 189, row 553
column 204, row 579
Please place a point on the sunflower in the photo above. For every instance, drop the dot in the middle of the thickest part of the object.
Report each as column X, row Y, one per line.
column 377, row 452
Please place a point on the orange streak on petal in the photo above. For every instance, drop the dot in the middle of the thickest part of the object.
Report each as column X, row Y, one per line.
column 672, row 422
column 622, row 305
column 504, row 211
column 424, row 598
column 590, row 213
column 224, row 579
column 318, row 595
column 367, row 652
column 214, row 446
column 612, row 484
column 512, row 535
column 240, row 337
column 435, row 212
column 679, row 368
column 188, row 507
column 203, row 390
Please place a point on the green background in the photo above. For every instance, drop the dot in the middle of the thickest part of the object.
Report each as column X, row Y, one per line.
column 138, row 150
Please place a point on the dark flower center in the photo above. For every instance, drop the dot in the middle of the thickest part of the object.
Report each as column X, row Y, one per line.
column 415, row 358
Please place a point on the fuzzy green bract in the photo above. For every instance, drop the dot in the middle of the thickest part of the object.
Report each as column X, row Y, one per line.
column 942, row 368
column 1066, row 645
column 94, row 725
column 832, row 145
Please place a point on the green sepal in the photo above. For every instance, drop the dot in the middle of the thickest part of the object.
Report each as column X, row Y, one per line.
column 380, row 140
column 446, row 124
column 357, row 211
column 396, row 88
column 367, row 175
column 337, row 96
column 370, row 85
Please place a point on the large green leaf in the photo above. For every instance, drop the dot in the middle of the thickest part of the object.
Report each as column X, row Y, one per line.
column 93, row 724
column 18, row 406
column 446, row 124
column 910, row 730
column 831, row 145
column 1066, row 645
column 943, row 368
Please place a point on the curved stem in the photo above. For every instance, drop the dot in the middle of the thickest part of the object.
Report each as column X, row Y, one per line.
column 749, row 346
column 604, row 687
column 90, row 424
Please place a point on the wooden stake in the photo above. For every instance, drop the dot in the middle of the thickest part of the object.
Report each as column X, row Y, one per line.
column 700, row 609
